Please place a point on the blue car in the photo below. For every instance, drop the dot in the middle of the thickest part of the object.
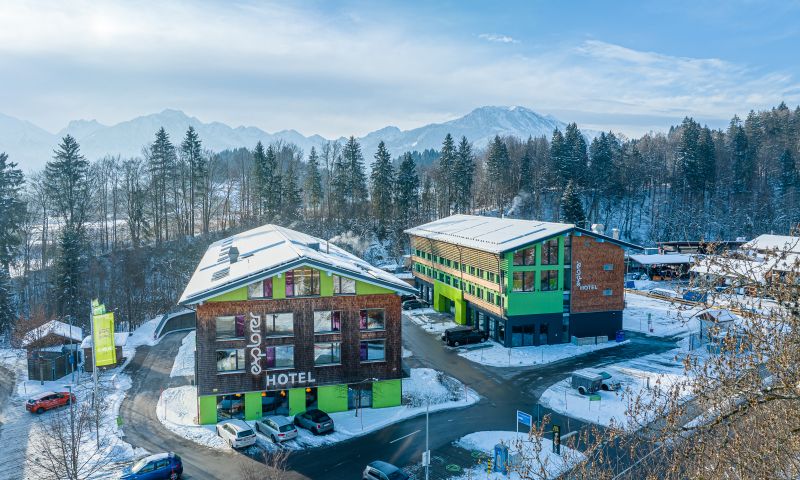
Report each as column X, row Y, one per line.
column 155, row 467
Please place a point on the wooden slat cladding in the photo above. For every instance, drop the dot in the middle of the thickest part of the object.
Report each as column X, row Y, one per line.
column 489, row 262
column 592, row 256
column 455, row 273
column 489, row 307
column 351, row 368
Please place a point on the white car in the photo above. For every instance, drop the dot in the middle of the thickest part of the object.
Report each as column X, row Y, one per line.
column 277, row 428
column 237, row 433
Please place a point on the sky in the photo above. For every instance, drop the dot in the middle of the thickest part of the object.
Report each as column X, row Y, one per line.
column 351, row 67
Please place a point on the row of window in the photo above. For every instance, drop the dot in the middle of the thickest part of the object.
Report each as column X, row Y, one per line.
column 474, row 271
column 282, row 324
column 525, row 281
column 301, row 282
column 549, row 256
column 483, row 294
column 281, row 357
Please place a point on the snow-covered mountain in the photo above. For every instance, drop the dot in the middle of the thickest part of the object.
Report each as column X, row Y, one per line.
column 31, row 146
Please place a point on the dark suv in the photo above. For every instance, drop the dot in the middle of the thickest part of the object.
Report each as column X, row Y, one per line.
column 463, row 335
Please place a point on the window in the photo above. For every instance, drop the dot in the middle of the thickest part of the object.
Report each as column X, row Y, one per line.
column 472, row 270
column 568, row 250
column 526, row 256
column 608, row 292
column 230, row 327
column 302, row 282
column 327, row 321
column 373, row 350
column 328, row 353
column 280, row 356
column 371, row 319
column 279, row 324
column 548, row 280
column 230, row 360
column 523, row 281
column 490, row 297
column 480, row 293
column 455, row 265
column 567, row 279
column 491, row 277
column 480, row 273
column 608, row 267
column 262, row 289
column 550, row 252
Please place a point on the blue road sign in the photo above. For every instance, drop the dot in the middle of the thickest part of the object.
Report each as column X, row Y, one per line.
column 524, row 418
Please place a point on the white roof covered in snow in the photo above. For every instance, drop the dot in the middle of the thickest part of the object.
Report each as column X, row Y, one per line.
column 731, row 268
column 120, row 339
column 490, row 234
column 52, row 327
column 779, row 243
column 720, row 315
column 271, row 249
column 662, row 259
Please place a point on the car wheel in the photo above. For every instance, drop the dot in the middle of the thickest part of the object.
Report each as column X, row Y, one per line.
column 275, row 440
column 455, row 344
column 230, row 443
column 604, row 387
column 40, row 410
column 582, row 390
column 174, row 476
column 483, row 339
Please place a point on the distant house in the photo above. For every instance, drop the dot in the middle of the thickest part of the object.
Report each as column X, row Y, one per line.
column 51, row 350
column 661, row 266
column 781, row 256
column 714, row 322
column 120, row 339
column 51, row 334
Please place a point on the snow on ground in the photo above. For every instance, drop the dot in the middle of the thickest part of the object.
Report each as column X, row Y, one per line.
column 537, row 454
column 430, row 320
column 668, row 318
column 496, row 355
column 639, row 378
column 407, row 353
column 184, row 361
column 177, row 410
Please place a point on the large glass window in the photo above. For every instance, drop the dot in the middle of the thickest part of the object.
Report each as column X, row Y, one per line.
column 327, row 321
column 280, row 356
column 230, row 360
column 550, row 252
column 262, row 289
column 525, row 256
column 230, row 326
column 279, row 324
column 523, row 281
column 302, row 282
column 372, row 319
column 568, row 250
column 548, row 280
column 328, row 353
column 373, row 350
column 343, row 285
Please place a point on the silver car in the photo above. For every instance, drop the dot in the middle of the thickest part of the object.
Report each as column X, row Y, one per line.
column 237, row 433
column 315, row 420
column 277, row 428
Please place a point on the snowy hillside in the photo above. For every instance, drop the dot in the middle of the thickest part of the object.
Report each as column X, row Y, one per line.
column 31, row 146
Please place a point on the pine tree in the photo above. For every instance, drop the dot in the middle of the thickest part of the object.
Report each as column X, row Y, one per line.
column 571, row 208
column 496, row 172
column 192, row 154
column 338, row 195
column 271, row 186
column 313, row 183
column 464, row 173
column 406, row 192
column 741, row 159
column 526, row 170
column 559, row 159
column 382, row 180
column 356, row 186
column 292, row 199
column 789, row 176
column 12, row 208
column 8, row 309
column 427, row 205
column 161, row 165
column 260, row 174
column 447, row 161
column 577, row 157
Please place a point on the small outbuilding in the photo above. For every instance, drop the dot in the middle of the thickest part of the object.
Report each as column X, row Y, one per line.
column 52, row 350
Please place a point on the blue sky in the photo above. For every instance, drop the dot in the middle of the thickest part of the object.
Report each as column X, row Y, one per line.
column 352, row 67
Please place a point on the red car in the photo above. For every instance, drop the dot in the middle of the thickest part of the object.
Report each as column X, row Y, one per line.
column 47, row 400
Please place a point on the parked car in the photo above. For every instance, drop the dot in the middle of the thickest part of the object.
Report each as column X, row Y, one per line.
column 155, row 467
column 414, row 304
column 237, row 433
column 586, row 382
column 316, row 421
column 609, row 385
column 48, row 400
column 457, row 336
column 664, row 293
column 379, row 470
column 277, row 428
column 406, row 297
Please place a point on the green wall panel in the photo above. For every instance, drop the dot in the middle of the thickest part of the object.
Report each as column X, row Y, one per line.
column 529, row 303
column 443, row 292
column 232, row 296
column 332, row 398
column 325, row 284
column 297, row 401
column 252, row 405
column 207, row 409
column 388, row 393
column 363, row 288
column 279, row 286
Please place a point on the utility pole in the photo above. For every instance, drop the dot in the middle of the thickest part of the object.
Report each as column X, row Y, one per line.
column 73, row 353
column 73, row 447
column 94, row 353
column 427, row 448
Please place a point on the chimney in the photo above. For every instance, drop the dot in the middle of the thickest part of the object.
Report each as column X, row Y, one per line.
column 598, row 228
column 615, row 233
column 233, row 254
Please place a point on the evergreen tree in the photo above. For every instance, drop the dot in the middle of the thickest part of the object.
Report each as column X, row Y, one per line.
column 312, row 186
column 292, row 199
column 740, row 155
column 576, row 157
column 427, row 205
column 464, row 173
column 192, row 154
column 559, row 159
column 382, row 180
column 406, row 191
column 789, row 176
column 338, row 194
column 571, row 208
column 356, row 186
column 260, row 174
column 526, row 170
column 161, row 165
column 12, row 208
column 496, row 172
column 271, row 185
column 8, row 309
column 447, row 161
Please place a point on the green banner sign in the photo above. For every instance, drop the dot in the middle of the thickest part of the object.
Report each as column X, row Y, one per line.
column 104, row 349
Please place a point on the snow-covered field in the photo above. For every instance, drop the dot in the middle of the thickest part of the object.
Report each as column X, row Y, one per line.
column 668, row 318
column 184, row 361
column 177, row 410
column 537, row 454
column 18, row 432
column 496, row 355
column 640, row 378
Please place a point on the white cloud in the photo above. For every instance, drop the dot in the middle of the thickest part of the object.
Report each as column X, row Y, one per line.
column 493, row 37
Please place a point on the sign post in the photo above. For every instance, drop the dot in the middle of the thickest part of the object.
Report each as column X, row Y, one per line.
column 557, row 439
column 525, row 419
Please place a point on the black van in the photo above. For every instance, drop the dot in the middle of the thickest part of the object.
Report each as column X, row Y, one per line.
column 463, row 335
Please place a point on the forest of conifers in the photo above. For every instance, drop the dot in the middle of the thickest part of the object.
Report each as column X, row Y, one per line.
column 131, row 230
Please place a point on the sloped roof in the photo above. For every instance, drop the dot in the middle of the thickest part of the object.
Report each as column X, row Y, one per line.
column 497, row 235
column 779, row 243
column 662, row 259
column 53, row 327
column 269, row 250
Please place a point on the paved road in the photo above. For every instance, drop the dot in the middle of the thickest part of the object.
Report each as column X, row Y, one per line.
column 502, row 391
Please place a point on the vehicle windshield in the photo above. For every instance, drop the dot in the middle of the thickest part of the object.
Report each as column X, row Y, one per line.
column 318, row 416
column 286, row 428
column 244, row 433
column 139, row 465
